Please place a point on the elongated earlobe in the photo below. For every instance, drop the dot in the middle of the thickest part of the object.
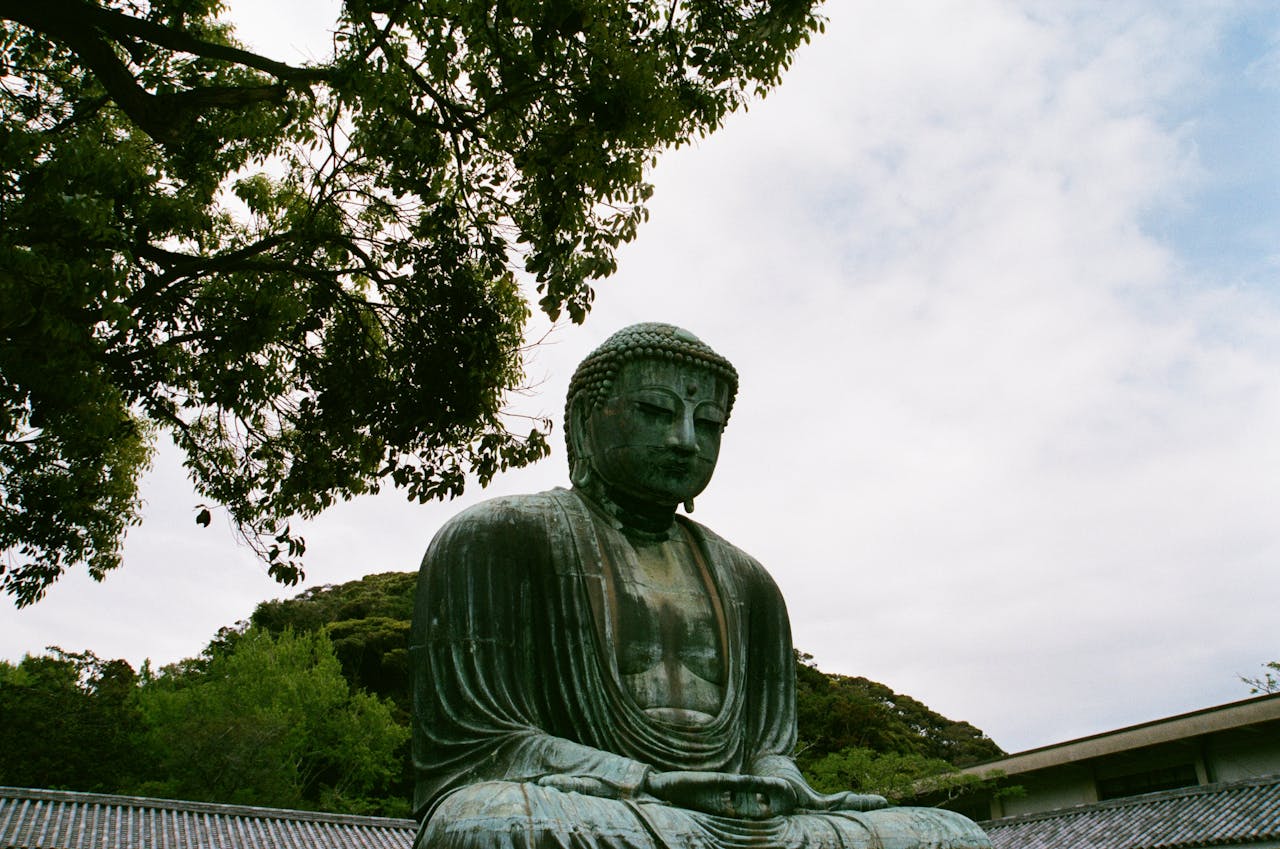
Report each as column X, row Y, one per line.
column 580, row 470
column 580, row 474
column 688, row 505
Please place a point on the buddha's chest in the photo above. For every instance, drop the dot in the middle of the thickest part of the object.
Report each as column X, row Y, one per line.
column 667, row 632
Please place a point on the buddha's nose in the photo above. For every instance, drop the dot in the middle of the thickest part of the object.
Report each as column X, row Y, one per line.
column 683, row 437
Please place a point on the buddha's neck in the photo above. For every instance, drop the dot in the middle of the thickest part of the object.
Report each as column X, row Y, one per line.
column 631, row 513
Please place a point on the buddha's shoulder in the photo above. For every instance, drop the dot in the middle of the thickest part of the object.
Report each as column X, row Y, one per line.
column 512, row 507
column 713, row 540
column 723, row 551
column 508, row 516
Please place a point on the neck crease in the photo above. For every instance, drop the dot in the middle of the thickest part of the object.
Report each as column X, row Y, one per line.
column 629, row 514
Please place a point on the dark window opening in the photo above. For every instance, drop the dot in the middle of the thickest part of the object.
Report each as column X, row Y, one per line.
column 1151, row 781
column 975, row 809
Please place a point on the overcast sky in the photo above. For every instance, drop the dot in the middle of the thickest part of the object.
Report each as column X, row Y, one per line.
column 1001, row 282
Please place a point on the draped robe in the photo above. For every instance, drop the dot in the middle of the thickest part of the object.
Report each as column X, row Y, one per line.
column 514, row 654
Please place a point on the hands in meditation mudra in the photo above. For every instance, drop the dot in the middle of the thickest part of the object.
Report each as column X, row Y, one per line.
column 593, row 671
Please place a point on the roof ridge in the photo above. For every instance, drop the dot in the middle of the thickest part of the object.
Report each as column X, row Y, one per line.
column 1226, row 707
column 37, row 794
column 1140, row 799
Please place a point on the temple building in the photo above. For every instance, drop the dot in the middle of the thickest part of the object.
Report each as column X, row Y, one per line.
column 1206, row 778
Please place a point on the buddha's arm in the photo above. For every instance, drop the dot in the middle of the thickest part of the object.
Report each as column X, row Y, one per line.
column 566, row 765
column 496, row 674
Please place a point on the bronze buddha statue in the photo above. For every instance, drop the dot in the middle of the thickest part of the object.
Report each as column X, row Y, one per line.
column 593, row 670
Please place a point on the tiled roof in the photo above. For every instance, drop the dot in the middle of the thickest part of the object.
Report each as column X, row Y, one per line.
column 1240, row 813
column 1235, row 814
column 52, row 819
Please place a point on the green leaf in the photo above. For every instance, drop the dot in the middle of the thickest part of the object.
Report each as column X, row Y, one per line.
column 307, row 275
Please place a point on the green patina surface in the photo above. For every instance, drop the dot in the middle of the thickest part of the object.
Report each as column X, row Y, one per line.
column 592, row 669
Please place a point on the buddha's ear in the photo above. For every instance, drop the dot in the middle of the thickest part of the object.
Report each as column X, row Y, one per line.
column 580, row 439
column 579, row 435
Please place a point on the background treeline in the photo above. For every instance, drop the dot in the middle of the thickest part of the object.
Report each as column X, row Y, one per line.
column 307, row 705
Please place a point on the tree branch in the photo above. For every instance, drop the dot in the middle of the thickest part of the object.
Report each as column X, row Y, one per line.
column 57, row 17
column 461, row 120
column 86, row 28
column 99, row 57
column 183, row 264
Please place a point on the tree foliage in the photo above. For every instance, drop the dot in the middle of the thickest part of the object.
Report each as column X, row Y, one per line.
column 309, row 275
column 271, row 722
column 839, row 712
column 1266, row 683
column 256, row 719
column 367, row 620
column 901, row 777
column 857, row 734
column 69, row 721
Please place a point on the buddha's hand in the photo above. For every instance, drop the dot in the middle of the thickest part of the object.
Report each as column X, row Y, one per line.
column 585, row 784
column 810, row 799
column 724, row 794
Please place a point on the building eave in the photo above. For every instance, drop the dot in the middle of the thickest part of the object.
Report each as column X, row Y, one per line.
column 1255, row 711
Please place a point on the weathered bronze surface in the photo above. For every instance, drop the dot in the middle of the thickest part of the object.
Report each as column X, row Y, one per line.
column 592, row 670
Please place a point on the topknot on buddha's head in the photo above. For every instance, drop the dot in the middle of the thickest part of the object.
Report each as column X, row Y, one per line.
column 595, row 375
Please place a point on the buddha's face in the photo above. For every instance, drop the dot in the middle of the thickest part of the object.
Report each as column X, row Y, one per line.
column 657, row 437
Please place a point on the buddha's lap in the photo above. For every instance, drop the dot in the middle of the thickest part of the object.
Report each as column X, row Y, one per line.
column 512, row 815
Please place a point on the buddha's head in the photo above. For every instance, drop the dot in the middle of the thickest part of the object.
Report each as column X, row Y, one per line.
column 644, row 415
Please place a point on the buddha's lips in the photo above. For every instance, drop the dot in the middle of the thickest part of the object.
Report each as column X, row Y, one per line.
column 675, row 465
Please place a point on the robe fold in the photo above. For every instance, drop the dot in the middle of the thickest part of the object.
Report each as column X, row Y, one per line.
column 515, row 678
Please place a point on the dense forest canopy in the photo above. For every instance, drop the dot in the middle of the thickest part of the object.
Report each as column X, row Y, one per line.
column 307, row 704
column 309, row 276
